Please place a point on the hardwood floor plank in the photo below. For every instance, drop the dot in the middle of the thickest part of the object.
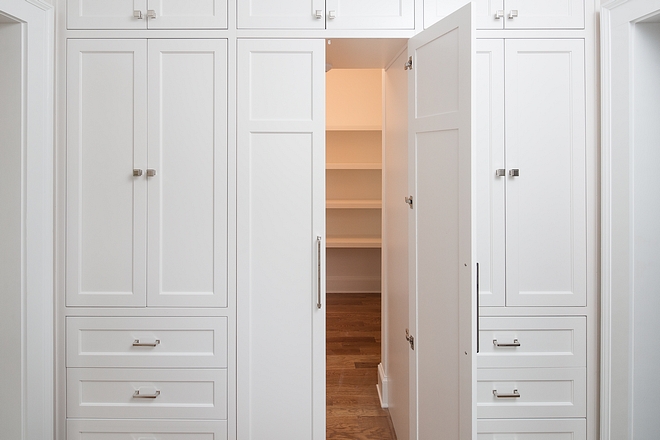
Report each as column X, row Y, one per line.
column 352, row 357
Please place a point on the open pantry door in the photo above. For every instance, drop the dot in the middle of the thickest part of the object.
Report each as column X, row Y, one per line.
column 441, row 230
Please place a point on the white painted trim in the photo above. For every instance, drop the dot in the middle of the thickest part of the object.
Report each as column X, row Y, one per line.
column 41, row 4
column 382, row 387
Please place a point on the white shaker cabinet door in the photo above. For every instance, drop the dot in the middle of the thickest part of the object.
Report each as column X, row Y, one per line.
column 367, row 14
column 104, row 14
column 187, row 14
column 490, row 194
column 484, row 12
column 546, row 182
column 280, row 239
column 553, row 14
column 281, row 14
column 187, row 244
column 106, row 158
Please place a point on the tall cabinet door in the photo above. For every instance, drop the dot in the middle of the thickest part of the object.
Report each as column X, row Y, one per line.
column 280, row 239
column 187, row 173
column 442, row 254
column 546, row 183
column 106, row 158
column 490, row 167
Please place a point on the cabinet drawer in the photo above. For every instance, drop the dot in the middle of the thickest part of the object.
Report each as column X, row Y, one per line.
column 544, row 342
column 134, row 394
column 147, row 342
column 552, row 429
column 542, row 393
column 145, row 430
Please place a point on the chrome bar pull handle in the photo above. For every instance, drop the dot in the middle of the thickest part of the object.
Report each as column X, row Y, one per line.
column 137, row 172
column 318, row 272
column 514, row 172
column 513, row 395
column 137, row 343
column 515, row 343
column 500, row 172
column 138, row 395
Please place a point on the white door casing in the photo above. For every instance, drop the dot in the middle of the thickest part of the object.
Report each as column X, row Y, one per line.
column 281, row 239
column 442, row 253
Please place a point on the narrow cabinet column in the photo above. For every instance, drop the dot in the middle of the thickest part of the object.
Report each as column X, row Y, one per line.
column 106, row 161
column 187, row 173
column 280, row 263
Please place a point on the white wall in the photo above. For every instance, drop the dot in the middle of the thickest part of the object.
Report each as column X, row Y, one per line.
column 395, row 243
column 11, row 221
column 646, row 232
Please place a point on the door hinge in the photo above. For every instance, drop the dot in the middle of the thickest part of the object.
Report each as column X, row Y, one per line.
column 408, row 65
column 411, row 339
column 409, row 201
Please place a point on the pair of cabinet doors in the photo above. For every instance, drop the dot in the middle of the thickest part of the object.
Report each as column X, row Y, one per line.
column 146, row 173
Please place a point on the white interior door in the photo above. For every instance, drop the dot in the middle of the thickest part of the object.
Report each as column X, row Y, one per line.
column 106, row 201
column 187, row 246
column 442, row 262
column 280, row 239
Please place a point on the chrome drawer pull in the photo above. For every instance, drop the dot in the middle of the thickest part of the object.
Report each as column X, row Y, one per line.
column 515, row 394
column 137, row 395
column 515, row 343
column 137, row 343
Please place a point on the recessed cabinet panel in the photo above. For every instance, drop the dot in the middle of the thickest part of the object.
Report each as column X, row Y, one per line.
column 172, row 342
column 286, row 14
column 143, row 14
column 515, row 342
column 146, row 430
column 536, row 429
column 188, row 193
column 113, row 393
column 554, row 14
column 106, row 202
column 366, row 14
column 545, row 179
column 485, row 11
column 531, row 393
column 491, row 202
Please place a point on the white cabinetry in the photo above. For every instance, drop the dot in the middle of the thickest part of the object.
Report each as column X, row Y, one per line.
column 147, row 173
column 326, row 14
column 532, row 173
column 513, row 14
column 147, row 14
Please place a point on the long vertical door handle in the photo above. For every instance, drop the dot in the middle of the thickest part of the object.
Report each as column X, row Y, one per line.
column 477, row 307
column 318, row 272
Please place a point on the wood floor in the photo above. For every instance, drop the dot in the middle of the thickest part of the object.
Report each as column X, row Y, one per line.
column 353, row 355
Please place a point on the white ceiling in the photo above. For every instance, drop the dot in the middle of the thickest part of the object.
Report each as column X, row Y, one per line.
column 362, row 53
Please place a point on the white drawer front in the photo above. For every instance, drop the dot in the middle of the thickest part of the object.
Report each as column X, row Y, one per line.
column 133, row 394
column 145, row 430
column 543, row 342
column 543, row 393
column 552, row 429
column 199, row 342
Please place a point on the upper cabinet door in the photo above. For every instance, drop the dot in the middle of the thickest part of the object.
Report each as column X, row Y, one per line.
column 281, row 14
column 280, row 239
column 326, row 14
column 187, row 193
column 484, row 13
column 553, row 14
column 104, row 14
column 187, row 14
column 367, row 14
column 442, row 223
column 106, row 162
column 546, row 183
column 143, row 14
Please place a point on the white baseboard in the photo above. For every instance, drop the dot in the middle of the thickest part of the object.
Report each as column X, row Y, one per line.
column 382, row 387
column 352, row 284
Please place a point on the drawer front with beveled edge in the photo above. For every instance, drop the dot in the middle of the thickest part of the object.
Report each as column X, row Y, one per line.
column 120, row 393
column 531, row 393
column 146, row 430
column 533, row 429
column 146, row 342
column 536, row 342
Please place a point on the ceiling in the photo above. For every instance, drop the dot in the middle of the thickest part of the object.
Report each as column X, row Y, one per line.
column 362, row 53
